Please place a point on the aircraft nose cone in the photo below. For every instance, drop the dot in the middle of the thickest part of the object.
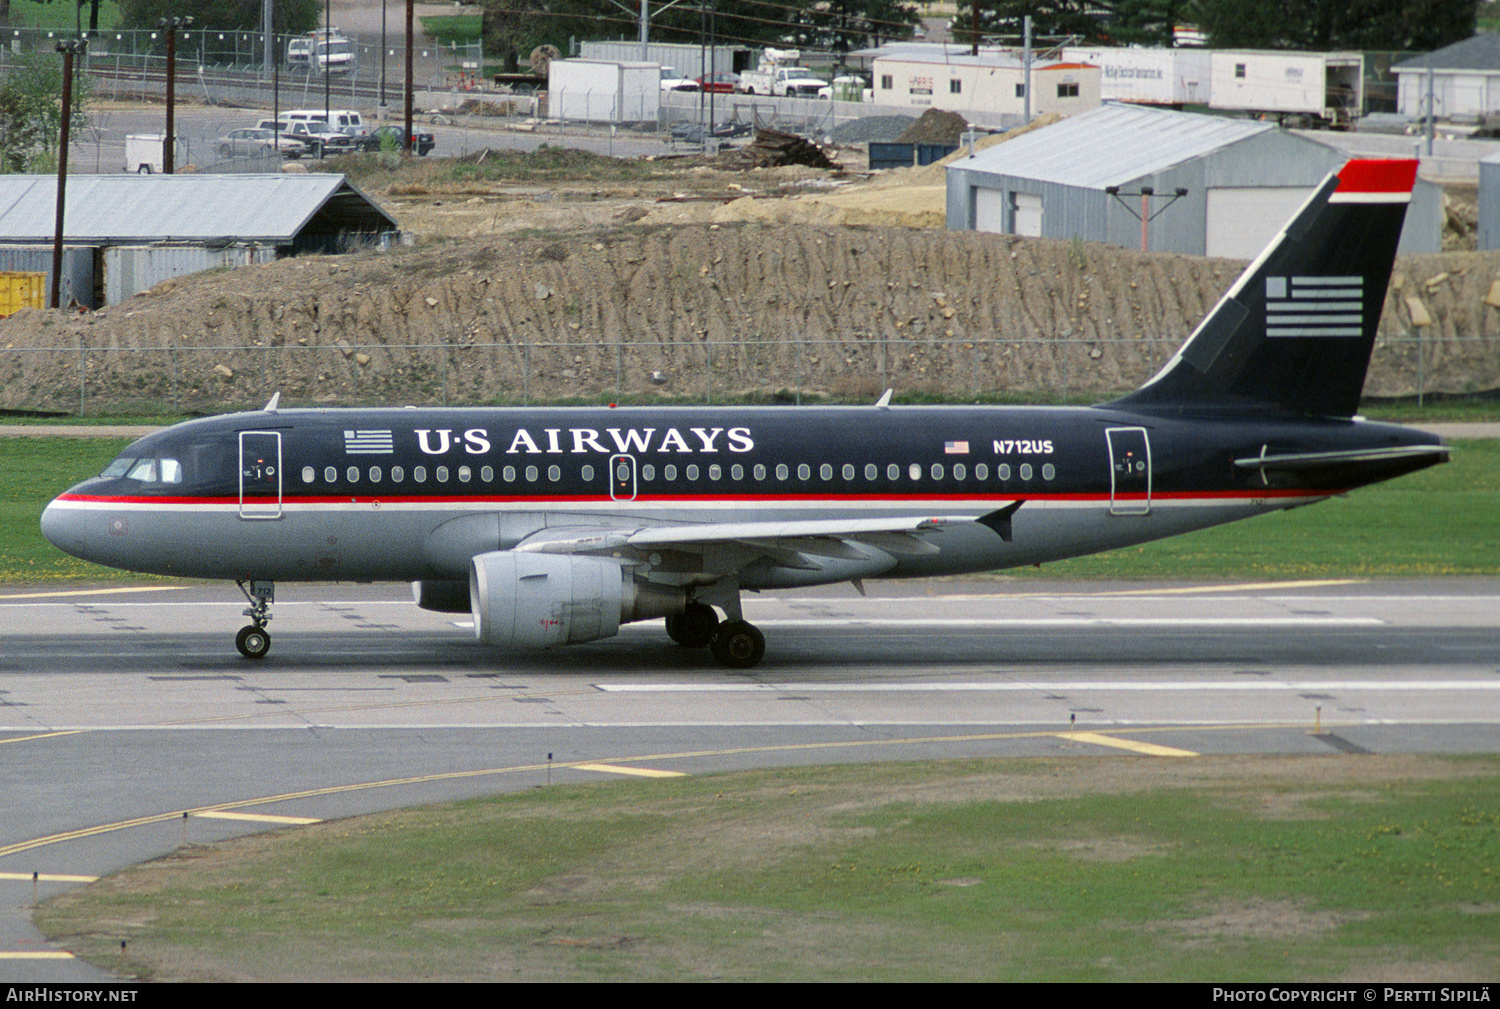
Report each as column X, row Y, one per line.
column 63, row 528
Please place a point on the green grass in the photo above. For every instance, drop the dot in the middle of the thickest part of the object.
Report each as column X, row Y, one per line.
column 32, row 472
column 450, row 28
column 1083, row 870
column 1441, row 521
column 28, row 14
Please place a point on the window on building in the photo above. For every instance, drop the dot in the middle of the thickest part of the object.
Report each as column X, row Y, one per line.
column 955, row 87
column 1020, row 91
column 1067, row 90
column 887, row 82
column 1239, row 70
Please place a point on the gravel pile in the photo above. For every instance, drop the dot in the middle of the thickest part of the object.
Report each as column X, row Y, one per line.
column 877, row 128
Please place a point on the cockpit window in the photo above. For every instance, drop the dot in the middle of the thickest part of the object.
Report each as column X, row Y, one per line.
column 149, row 470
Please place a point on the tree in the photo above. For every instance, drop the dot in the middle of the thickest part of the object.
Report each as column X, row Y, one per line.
column 293, row 17
column 1322, row 25
column 31, row 110
column 841, row 26
column 1051, row 20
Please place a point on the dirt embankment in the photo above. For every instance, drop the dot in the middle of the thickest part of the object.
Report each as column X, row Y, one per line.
column 700, row 311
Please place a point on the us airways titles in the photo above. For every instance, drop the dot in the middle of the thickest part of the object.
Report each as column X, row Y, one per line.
column 611, row 441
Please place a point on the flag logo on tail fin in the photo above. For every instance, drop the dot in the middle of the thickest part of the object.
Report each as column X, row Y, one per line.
column 1314, row 306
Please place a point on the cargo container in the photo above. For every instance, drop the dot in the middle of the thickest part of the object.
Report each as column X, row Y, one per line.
column 21, row 290
column 603, row 91
column 78, row 271
column 1173, row 77
column 130, row 269
column 1328, row 88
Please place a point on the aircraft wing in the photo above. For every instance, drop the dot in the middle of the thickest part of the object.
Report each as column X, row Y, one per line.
column 721, row 548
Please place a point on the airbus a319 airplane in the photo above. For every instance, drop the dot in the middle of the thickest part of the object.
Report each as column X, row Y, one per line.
column 555, row 526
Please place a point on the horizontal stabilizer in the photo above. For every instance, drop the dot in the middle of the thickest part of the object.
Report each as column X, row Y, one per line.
column 1318, row 460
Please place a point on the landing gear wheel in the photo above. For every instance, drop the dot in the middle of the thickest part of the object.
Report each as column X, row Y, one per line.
column 253, row 642
column 738, row 645
column 694, row 627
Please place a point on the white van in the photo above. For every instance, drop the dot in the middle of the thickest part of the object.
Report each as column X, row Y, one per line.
column 345, row 121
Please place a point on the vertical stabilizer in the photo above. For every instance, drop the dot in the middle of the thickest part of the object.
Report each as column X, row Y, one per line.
column 1295, row 331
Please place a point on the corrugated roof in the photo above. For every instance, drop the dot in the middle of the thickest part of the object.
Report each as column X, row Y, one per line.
column 1477, row 52
column 116, row 209
column 1111, row 145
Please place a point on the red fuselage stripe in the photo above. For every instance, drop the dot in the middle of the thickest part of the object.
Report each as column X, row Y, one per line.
column 957, row 496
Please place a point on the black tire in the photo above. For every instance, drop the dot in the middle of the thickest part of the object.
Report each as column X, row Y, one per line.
column 694, row 627
column 253, row 642
column 738, row 645
column 225, row 151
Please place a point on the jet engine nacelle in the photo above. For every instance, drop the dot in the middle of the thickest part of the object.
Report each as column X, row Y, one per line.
column 536, row 600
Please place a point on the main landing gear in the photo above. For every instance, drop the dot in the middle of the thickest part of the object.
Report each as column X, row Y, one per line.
column 254, row 641
column 734, row 643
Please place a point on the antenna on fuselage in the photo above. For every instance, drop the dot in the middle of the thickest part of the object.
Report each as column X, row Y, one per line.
column 884, row 402
column 275, row 402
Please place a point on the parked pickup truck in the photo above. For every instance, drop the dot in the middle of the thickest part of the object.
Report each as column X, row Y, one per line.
column 321, row 139
column 779, row 75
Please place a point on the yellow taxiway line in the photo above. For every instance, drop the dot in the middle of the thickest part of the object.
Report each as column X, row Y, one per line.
column 640, row 772
column 1134, row 746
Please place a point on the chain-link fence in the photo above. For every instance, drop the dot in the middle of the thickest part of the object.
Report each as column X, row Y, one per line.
column 99, row 377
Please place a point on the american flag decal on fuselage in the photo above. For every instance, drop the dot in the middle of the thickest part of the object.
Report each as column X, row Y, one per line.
column 369, row 443
column 1314, row 306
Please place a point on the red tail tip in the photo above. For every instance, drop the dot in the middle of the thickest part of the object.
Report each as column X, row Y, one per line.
column 1382, row 176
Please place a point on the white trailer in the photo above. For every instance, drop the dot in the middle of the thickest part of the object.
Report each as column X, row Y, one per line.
column 1324, row 86
column 984, row 83
column 1148, row 76
column 604, row 91
column 143, row 153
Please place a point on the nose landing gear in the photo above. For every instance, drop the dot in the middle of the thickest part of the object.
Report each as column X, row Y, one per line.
column 254, row 641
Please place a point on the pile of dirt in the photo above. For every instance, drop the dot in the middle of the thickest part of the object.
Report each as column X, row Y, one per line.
column 935, row 127
column 698, row 311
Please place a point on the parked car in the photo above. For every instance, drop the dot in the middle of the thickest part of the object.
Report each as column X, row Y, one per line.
column 721, row 83
column 376, row 140
column 671, row 80
column 255, row 143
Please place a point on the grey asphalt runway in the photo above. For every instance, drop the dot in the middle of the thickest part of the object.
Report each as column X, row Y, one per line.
column 129, row 724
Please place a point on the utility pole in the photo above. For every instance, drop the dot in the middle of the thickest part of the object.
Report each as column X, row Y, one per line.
column 406, row 133
column 68, row 48
column 169, row 142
